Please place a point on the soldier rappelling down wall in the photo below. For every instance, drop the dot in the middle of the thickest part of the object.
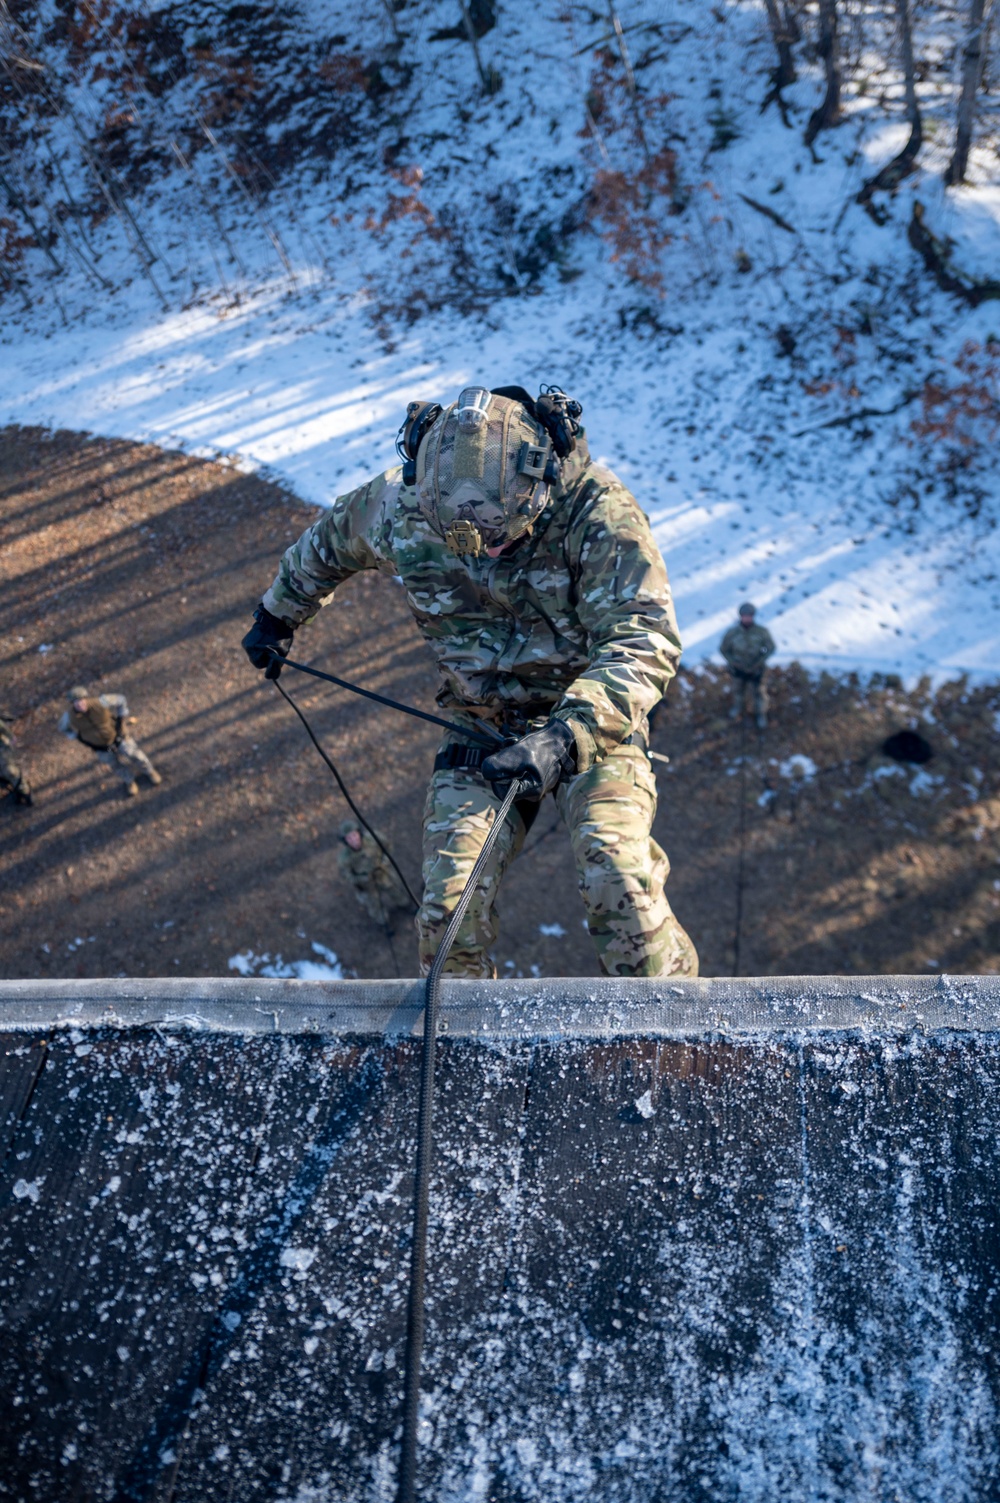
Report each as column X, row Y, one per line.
column 367, row 871
column 746, row 648
column 98, row 721
column 534, row 577
column 12, row 779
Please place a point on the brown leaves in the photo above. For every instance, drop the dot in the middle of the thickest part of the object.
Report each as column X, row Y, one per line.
column 965, row 412
column 628, row 210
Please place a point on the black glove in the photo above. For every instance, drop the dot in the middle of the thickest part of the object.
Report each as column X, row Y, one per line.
column 267, row 632
column 539, row 759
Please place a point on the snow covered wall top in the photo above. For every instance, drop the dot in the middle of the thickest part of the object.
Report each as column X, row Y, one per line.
column 706, row 1241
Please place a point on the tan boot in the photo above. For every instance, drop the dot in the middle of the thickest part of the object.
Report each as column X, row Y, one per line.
column 154, row 777
column 131, row 789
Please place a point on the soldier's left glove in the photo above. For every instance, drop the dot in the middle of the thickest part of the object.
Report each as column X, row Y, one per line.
column 267, row 635
column 540, row 759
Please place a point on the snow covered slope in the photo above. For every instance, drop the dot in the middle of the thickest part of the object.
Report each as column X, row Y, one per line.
column 676, row 259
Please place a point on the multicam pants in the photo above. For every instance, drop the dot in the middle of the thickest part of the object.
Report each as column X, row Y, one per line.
column 620, row 868
column 381, row 898
column 127, row 758
column 745, row 683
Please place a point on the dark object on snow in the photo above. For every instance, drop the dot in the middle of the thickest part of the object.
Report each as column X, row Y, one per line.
column 786, row 340
column 649, row 1199
column 482, row 17
column 907, row 746
column 936, row 254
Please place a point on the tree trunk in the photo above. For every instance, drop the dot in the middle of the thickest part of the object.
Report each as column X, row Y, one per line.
column 778, row 20
column 973, row 58
column 784, row 73
column 892, row 174
column 791, row 10
column 828, row 113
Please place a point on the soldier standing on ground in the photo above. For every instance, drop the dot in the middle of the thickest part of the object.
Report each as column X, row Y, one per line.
column 98, row 721
column 12, row 779
column 367, row 871
column 534, row 577
column 746, row 648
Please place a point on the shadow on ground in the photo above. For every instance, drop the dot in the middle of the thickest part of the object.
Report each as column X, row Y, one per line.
column 134, row 569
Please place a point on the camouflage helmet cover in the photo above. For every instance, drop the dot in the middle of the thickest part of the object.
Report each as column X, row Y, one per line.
column 77, row 692
column 746, row 609
column 483, row 472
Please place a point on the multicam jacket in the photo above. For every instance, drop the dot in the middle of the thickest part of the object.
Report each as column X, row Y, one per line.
column 747, row 648
column 576, row 620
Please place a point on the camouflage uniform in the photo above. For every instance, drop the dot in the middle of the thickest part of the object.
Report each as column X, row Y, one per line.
column 104, row 733
column 373, row 881
column 746, row 650
column 12, row 779
column 577, row 622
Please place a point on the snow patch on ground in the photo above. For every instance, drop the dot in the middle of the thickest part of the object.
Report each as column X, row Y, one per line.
column 327, row 968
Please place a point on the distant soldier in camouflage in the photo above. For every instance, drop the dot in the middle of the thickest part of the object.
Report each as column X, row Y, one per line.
column 746, row 648
column 365, row 867
column 12, row 779
column 98, row 721
column 534, row 577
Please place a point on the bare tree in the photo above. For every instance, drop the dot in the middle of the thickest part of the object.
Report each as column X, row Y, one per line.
column 828, row 112
column 891, row 175
column 973, row 59
column 781, row 31
column 782, row 35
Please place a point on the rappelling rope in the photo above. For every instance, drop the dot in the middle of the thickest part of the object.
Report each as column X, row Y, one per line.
column 738, row 929
column 486, row 737
column 415, row 1319
column 343, row 788
column 421, row 1190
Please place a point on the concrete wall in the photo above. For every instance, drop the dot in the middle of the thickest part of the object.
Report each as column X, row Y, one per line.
column 705, row 1241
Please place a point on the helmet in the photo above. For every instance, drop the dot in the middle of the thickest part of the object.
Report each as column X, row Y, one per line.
column 348, row 826
column 78, row 692
column 484, row 470
column 746, row 609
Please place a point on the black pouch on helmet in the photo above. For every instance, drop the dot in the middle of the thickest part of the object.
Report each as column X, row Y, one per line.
column 560, row 416
column 420, row 416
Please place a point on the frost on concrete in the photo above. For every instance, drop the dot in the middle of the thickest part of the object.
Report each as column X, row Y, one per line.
column 736, row 1243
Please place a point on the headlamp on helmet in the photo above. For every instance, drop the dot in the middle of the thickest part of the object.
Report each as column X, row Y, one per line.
column 472, row 407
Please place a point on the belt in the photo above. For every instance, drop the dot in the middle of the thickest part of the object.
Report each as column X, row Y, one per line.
column 458, row 755
column 471, row 758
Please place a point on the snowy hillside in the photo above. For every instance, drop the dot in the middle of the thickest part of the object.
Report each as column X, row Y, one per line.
column 259, row 234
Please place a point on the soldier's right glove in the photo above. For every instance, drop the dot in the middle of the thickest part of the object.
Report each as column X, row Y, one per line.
column 538, row 759
column 267, row 636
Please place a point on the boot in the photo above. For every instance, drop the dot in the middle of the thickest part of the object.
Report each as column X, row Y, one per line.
column 131, row 789
column 23, row 796
column 154, row 777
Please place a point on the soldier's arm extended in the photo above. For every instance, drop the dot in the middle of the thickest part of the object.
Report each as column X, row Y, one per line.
column 767, row 645
column 728, row 643
column 354, row 534
column 625, row 605
column 65, row 726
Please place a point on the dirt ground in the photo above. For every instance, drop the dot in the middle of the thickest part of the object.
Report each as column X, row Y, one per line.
column 129, row 568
